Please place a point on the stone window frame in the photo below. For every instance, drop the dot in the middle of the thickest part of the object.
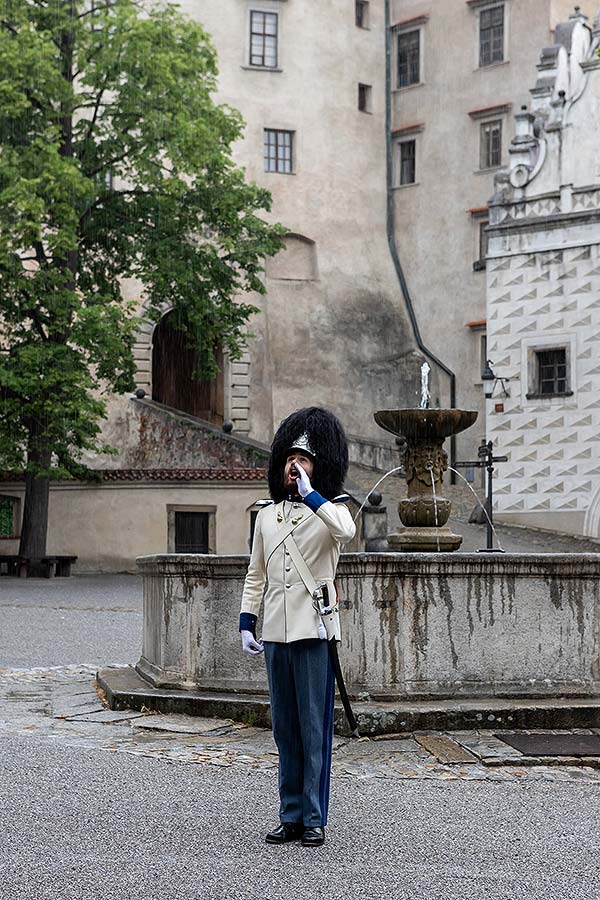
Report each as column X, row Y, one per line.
column 173, row 508
column 405, row 142
column 529, row 372
column 485, row 165
column 365, row 98
column 415, row 24
column 402, row 136
column 263, row 6
column 477, row 7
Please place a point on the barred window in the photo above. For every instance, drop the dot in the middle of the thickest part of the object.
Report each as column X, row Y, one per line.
column 407, row 162
column 490, row 151
column 552, row 371
column 263, row 39
column 278, row 151
column 491, row 36
column 409, row 58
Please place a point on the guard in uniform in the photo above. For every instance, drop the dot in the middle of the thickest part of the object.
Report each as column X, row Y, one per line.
column 309, row 461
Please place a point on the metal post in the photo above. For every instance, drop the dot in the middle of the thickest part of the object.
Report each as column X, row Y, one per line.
column 490, row 471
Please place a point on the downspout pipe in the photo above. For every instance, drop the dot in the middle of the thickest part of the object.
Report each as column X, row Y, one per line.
column 391, row 238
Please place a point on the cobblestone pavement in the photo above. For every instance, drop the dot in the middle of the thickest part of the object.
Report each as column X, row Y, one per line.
column 61, row 704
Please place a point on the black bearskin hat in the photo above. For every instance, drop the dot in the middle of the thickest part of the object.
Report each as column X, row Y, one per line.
column 326, row 438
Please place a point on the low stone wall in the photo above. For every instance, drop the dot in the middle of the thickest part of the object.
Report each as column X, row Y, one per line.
column 414, row 625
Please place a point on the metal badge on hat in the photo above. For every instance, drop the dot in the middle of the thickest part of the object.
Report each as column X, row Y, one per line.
column 303, row 443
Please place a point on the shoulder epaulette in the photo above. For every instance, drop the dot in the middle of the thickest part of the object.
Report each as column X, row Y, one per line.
column 341, row 498
column 264, row 502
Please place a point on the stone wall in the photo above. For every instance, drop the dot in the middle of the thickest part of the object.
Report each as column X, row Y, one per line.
column 414, row 625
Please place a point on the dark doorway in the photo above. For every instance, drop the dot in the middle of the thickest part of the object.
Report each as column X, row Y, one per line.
column 173, row 365
column 191, row 532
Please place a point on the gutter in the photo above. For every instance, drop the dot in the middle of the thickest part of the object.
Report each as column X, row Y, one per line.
column 391, row 235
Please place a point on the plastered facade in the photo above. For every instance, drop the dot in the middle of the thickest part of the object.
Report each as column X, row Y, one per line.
column 543, row 292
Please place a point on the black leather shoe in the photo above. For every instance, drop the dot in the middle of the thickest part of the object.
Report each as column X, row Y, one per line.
column 287, row 831
column 313, row 837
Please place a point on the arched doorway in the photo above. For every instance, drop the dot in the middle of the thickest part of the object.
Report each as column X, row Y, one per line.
column 174, row 362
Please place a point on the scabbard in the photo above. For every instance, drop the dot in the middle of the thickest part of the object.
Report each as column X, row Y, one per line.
column 337, row 671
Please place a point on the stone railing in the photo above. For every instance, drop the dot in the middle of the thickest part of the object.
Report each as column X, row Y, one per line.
column 414, row 625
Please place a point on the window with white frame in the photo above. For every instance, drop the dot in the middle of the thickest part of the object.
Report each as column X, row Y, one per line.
column 490, row 144
column 491, row 35
column 408, row 58
column 549, row 370
column 278, row 147
column 264, row 28
column 408, row 155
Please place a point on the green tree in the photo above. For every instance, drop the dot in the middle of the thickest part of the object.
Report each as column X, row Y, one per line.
column 115, row 163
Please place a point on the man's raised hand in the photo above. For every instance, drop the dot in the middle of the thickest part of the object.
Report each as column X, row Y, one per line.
column 303, row 483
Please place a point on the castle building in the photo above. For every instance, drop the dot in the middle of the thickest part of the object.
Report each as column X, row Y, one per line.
column 379, row 127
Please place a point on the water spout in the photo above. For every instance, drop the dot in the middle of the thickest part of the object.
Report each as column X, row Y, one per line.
column 481, row 505
column 425, row 394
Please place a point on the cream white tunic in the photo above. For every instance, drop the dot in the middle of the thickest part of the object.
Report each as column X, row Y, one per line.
column 288, row 611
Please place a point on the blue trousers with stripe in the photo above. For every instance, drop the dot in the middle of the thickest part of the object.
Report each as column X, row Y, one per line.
column 302, row 687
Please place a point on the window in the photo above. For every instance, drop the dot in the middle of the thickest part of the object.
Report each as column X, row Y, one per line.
column 364, row 97
column 8, row 508
column 407, row 162
column 263, row 39
column 191, row 532
column 483, row 239
column 551, row 371
column 490, row 145
column 409, row 58
column 491, row 36
column 362, row 13
column 278, row 151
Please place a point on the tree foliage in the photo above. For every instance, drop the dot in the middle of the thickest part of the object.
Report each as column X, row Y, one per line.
column 115, row 164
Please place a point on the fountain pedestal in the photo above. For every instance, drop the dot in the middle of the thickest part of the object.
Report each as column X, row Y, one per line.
column 425, row 511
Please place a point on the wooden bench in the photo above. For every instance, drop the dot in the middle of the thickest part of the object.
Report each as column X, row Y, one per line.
column 48, row 567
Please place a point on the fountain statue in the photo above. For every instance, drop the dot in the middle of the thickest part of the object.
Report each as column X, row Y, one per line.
column 425, row 512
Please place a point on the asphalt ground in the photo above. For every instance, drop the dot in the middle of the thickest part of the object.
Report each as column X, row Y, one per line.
column 93, row 824
column 78, row 825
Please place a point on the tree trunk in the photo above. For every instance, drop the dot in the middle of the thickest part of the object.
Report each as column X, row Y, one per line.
column 34, row 530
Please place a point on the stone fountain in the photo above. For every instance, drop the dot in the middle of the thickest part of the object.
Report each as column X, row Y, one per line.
column 465, row 627
column 425, row 511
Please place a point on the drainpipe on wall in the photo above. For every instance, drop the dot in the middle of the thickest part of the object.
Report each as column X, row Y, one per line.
column 391, row 234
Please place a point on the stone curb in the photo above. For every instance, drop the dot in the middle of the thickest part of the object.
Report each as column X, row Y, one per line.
column 126, row 689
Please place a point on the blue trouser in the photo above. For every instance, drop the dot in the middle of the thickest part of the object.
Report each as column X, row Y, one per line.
column 301, row 685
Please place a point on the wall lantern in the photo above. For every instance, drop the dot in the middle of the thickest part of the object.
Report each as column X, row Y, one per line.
column 490, row 380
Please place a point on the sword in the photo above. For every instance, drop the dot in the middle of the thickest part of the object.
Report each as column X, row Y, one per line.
column 335, row 663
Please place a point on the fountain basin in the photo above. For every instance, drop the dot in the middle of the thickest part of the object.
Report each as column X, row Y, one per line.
column 414, row 626
column 425, row 424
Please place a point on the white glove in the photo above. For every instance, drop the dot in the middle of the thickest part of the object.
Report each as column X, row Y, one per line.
column 250, row 644
column 303, row 481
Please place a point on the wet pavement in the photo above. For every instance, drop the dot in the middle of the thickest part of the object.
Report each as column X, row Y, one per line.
column 62, row 704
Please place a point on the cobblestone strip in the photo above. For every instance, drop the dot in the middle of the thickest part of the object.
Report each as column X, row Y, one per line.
column 61, row 704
